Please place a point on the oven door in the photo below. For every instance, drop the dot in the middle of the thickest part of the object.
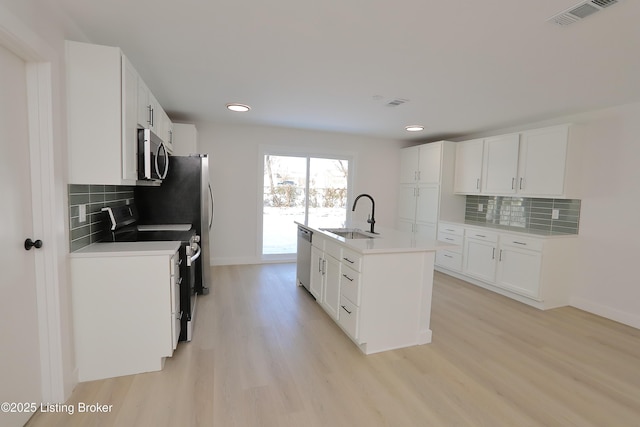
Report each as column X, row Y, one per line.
column 188, row 295
column 153, row 158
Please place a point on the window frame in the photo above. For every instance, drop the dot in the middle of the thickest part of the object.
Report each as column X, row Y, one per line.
column 307, row 153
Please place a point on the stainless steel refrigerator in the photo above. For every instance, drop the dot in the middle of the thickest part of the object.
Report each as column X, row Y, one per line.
column 185, row 197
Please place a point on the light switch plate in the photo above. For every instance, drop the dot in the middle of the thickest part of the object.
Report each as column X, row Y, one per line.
column 82, row 213
column 555, row 213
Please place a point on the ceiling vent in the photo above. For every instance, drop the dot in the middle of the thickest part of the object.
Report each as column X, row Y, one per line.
column 580, row 11
column 396, row 102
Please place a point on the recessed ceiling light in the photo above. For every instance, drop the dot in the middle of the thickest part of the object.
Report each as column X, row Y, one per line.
column 414, row 128
column 241, row 108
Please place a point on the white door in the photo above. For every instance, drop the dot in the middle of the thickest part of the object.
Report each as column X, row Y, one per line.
column 20, row 368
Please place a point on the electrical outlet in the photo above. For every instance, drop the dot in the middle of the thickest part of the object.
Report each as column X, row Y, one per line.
column 82, row 213
column 480, row 207
column 555, row 213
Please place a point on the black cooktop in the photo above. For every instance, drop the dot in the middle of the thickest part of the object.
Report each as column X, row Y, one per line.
column 125, row 228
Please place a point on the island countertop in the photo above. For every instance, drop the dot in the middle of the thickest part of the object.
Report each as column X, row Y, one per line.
column 387, row 241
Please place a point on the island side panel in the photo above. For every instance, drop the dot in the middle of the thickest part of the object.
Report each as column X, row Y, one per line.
column 396, row 300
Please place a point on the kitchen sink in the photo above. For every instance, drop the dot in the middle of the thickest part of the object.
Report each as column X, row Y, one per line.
column 349, row 233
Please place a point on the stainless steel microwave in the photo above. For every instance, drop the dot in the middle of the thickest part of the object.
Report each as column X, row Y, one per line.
column 153, row 158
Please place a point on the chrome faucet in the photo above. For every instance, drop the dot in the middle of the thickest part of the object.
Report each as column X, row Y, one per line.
column 371, row 220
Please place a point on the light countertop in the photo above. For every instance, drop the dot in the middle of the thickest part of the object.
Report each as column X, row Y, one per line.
column 387, row 241
column 529, row 232
column 119, row 249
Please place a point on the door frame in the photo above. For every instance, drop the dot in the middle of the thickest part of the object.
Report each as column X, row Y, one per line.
column 40, row 60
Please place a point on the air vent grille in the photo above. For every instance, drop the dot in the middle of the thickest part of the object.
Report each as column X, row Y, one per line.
column 580, row 11
column 396, row 102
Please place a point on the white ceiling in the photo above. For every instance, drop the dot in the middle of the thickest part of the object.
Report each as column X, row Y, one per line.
column 464, row 66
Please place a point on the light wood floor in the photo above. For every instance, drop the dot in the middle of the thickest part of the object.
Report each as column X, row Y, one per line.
column 265, row 354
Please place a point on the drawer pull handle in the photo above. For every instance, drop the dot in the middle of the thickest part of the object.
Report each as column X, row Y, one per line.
column 348, row 260
column 347, row 277
column 520, row 243
column 345, row 309
column 480, row 235
column 448, row 256
column 449, row 229
column 493, row 255
column 449, row 239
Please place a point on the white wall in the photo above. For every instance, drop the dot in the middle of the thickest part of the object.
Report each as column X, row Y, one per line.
column 236, row 173
column 607, row 279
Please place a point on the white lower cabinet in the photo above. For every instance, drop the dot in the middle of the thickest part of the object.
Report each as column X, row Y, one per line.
column 331, row 297
column 325, row 274
column 535, row 270
column 480, row 255
column 316, row 285
column 126, row 313
column 519, row 271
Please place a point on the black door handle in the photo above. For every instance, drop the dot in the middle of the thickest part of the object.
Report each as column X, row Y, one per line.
column 28, row 244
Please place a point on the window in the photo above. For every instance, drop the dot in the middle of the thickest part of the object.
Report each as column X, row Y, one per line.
column 310, row 190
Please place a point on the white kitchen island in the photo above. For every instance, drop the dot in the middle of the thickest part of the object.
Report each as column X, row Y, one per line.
column 377, row 288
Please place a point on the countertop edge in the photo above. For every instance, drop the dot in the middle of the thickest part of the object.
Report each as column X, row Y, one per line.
column 121, row 249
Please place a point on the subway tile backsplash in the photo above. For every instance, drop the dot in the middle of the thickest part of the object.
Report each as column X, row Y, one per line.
column 524, row 214
column 95, row 197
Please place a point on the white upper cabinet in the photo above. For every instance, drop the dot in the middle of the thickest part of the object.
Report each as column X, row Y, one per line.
column 534, row 163
column 500, row 171
column 468, row 166
column 543, row 156
column 420, row 164
column 101, row 98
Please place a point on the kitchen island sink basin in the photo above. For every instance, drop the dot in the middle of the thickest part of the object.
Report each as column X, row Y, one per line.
column 349, row 233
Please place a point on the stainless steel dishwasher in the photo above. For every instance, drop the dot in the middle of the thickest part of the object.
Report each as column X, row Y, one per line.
column 304, row 256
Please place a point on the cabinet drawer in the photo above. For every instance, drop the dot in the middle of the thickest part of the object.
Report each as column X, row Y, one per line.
column 348, row 317
column 352, row 259
column 477, row 234
column 332, row 248
column 350, row 284
column 450, row 229
column 454, row 239
column 450, row 260
column 521, row 242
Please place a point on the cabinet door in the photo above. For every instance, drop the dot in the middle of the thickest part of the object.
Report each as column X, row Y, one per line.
column 519, row 271
column 409, row 164
column 429, row 166
column 129, row 121
column 543, row 155
column 144, row 105
column 407, row 202
column 331, row 297
column 468, row 167
column 480, row 259
column 501, row 164
column 427, row 204
column 316, row 283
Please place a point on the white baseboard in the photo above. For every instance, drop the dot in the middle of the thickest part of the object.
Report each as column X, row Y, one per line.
column 611, row 313
column 249, row 260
